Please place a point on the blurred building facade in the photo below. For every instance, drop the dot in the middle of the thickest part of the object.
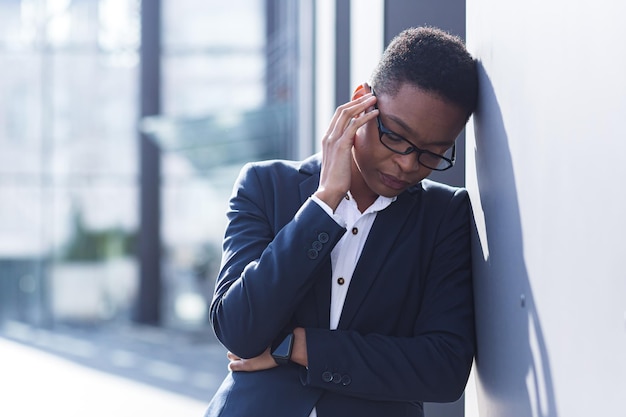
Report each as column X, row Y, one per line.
column 68, row 168
column 71, row 173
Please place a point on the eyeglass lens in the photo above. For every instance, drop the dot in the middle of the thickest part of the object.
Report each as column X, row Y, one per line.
column 401, row 146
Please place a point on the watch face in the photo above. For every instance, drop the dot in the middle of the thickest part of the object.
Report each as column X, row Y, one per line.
column 283, row 350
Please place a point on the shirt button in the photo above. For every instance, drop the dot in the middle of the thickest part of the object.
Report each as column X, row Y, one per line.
column 341, row 281
column 355, row 230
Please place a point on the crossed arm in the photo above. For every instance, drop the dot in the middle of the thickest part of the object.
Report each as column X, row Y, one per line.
column 265, row 360
column 335, row 178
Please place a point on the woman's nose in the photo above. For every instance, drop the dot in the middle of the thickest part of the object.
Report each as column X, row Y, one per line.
column 407, row 162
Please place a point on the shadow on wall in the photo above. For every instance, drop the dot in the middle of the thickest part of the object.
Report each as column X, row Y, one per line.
column 514, row 378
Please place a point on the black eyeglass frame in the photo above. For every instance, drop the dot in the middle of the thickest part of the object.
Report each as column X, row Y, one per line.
column 382, row 130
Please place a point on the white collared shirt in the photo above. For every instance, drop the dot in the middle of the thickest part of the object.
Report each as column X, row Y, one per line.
column 347, row 251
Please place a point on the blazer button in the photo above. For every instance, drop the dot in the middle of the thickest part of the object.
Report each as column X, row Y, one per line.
column 323, row 237
column 327, row 376
column 346, row 380
column 317, row 245
column 336, row 378
column 312, row 254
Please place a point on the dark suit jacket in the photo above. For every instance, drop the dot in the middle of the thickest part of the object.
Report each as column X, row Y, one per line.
column 406, row 333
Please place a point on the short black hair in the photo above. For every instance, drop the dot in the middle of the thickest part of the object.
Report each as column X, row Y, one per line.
column 433, row 60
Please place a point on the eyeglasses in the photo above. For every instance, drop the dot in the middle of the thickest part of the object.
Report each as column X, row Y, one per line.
column 402, row 146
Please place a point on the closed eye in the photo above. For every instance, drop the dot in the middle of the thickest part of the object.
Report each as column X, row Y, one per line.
column 394, row 137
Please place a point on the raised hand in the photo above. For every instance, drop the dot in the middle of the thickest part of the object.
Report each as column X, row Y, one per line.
column 335, row 176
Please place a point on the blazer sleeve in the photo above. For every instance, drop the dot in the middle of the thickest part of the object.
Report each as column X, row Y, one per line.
column 266, row 267
column 433, row 363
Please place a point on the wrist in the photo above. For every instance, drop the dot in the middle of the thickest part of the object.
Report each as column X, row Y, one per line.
column 299, row 353
column 282, row 351
column 330, row 198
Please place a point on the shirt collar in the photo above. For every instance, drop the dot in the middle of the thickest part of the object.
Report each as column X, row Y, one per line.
column 379, row 204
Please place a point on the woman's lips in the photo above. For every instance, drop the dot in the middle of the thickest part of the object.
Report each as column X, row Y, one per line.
column 392, row 182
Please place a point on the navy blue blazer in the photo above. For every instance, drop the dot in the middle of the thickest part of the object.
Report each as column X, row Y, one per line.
column 406, row 333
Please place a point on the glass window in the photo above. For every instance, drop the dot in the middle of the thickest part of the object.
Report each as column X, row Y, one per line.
column 68, row 159
column 69, row 122
column 221, row 109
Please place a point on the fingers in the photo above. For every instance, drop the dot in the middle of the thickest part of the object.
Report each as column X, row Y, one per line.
column 335, row 174
column 252, row 365
column 233, row 360
column 235, row 366
column 350, row 116
column 261, row 362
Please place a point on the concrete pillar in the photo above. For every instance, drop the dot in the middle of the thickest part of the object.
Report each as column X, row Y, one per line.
column 545, row 172
column 148, row 304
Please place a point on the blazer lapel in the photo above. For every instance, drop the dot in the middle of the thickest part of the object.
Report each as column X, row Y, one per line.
column 379, row 243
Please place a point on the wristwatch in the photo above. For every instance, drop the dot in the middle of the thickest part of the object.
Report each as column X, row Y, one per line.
column 282, row 351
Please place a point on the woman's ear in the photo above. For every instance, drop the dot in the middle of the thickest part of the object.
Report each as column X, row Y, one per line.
column 361, row 90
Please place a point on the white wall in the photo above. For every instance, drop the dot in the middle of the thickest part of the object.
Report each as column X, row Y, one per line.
column 546, row 173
